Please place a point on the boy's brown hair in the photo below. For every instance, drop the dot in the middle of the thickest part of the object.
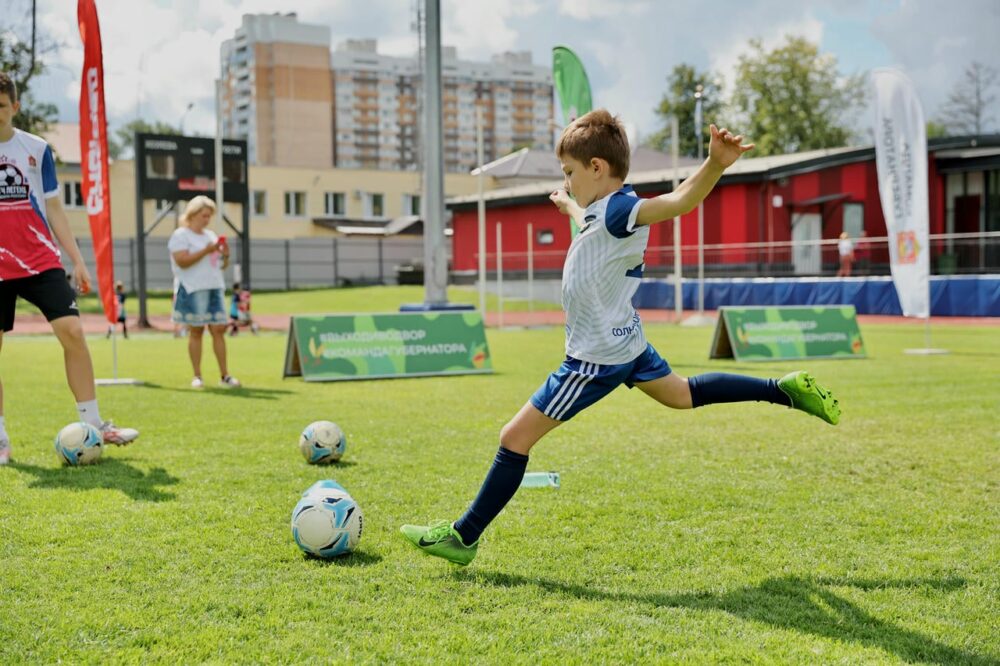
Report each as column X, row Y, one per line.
column 8, row 86
column 597, row 134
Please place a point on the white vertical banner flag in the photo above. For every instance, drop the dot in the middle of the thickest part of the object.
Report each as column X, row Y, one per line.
column 901, row 162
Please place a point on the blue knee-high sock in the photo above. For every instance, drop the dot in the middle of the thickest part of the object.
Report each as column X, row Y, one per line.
column 501, row 482
column 713, row 387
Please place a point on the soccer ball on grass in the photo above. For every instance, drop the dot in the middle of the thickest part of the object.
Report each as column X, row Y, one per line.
column 322, row 442
column 79, row 444
column 327, row 521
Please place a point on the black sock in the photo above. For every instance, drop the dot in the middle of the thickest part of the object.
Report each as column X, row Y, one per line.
column 501, row 482
column 713, row 387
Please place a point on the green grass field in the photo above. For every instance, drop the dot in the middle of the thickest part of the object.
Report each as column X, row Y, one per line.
column 352, row 299
column 741, row 533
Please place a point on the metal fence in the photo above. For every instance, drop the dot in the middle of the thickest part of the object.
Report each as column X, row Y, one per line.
column 950, row 254
column 280, row 264
column 326, row 262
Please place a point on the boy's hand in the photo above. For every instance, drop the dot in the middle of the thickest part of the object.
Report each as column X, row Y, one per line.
column 725, row 148
column 562, row 200
column 82, row 278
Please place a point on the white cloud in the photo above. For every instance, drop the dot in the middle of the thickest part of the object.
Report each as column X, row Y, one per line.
column 165, row 54
column 585, row 10
column 725, row 60
column 481, row 29
column 934, row 46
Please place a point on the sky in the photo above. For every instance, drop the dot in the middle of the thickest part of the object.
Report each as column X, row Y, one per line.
column 162, row 56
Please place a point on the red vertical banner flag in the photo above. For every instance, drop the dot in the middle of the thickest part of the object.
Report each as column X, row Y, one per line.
column 94, row 155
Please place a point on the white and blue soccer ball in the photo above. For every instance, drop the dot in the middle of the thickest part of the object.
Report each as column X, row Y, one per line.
column 322, row 442
column 327, row 521
column 79, row 444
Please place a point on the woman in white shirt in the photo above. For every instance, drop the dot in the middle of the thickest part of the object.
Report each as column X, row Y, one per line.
column 198, row 256
column 845, row 248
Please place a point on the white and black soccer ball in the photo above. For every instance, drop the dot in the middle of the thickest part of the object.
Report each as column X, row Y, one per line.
column 326, row 522
column 79, row 444
column 11, row 176
column 322, row 442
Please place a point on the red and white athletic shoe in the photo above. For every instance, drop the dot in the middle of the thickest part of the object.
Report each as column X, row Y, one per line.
column 4, row 451
column 117, row 436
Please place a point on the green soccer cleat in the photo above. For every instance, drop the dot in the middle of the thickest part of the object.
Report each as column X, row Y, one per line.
column 440, row 540
column 810, row 397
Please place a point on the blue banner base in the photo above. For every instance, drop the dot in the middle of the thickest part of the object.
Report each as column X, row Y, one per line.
column 955, row 296
column 435, row 307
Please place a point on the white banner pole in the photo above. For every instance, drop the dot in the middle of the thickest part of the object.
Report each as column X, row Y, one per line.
column 901, row 164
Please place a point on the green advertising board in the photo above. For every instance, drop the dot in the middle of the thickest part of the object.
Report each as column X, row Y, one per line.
column 370, row 346
column 766, row 333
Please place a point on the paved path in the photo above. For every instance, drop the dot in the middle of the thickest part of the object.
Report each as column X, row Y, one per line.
column 96, row 324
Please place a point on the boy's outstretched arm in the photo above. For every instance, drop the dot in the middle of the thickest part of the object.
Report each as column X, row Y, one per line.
column 567, row 206
column 724, row 149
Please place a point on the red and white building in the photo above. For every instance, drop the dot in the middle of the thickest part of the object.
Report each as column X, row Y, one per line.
column 768, row 216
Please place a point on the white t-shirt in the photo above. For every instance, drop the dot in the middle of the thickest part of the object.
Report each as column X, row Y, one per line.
column 845, row 247
column 602, row 272
column 206, row 273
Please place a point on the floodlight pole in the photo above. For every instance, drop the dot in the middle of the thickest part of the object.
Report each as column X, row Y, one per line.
column 140, row 231
column 435, row 258
column 678, row 269
column 220, row 202
column 701, row 206
column 482, row 213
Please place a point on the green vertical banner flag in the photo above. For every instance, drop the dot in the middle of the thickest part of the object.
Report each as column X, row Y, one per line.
column 573, row 88
column 571, row 83
column 370, row 346
column 766, row 334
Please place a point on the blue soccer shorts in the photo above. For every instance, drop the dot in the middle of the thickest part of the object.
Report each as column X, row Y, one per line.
column 578, row 384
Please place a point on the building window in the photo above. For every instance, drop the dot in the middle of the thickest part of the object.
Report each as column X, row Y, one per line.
column 854, row 219
column 259, row 202
column 295, row 204
column 72, row 194
column 545, row 237
column 374, row 204
column 334, row 204
column 411, row 204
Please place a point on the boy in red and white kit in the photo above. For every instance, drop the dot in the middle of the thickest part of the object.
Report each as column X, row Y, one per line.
column 30, row 268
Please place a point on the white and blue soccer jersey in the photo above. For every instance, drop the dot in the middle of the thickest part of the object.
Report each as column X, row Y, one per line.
column 600, row 276
column 27, row 179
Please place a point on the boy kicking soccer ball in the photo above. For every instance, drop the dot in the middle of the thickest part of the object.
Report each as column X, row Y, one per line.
column 605, row 343
column 30, row 268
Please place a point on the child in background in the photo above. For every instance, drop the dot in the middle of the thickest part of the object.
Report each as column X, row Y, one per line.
column 120, row 296
column 239, row 311
column 234, row 310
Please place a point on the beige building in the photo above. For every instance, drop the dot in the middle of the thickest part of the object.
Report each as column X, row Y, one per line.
column 285, row 202
column 298, row 104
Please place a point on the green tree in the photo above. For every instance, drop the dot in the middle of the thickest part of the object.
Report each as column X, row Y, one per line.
column 15, row 59
column 120, row 144
column 936, row 129
column 679, row 100
column 794, row 99
column 967, row 110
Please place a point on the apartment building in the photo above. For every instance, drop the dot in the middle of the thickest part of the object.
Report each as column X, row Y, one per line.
column 366, row 113
column 277, row 91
